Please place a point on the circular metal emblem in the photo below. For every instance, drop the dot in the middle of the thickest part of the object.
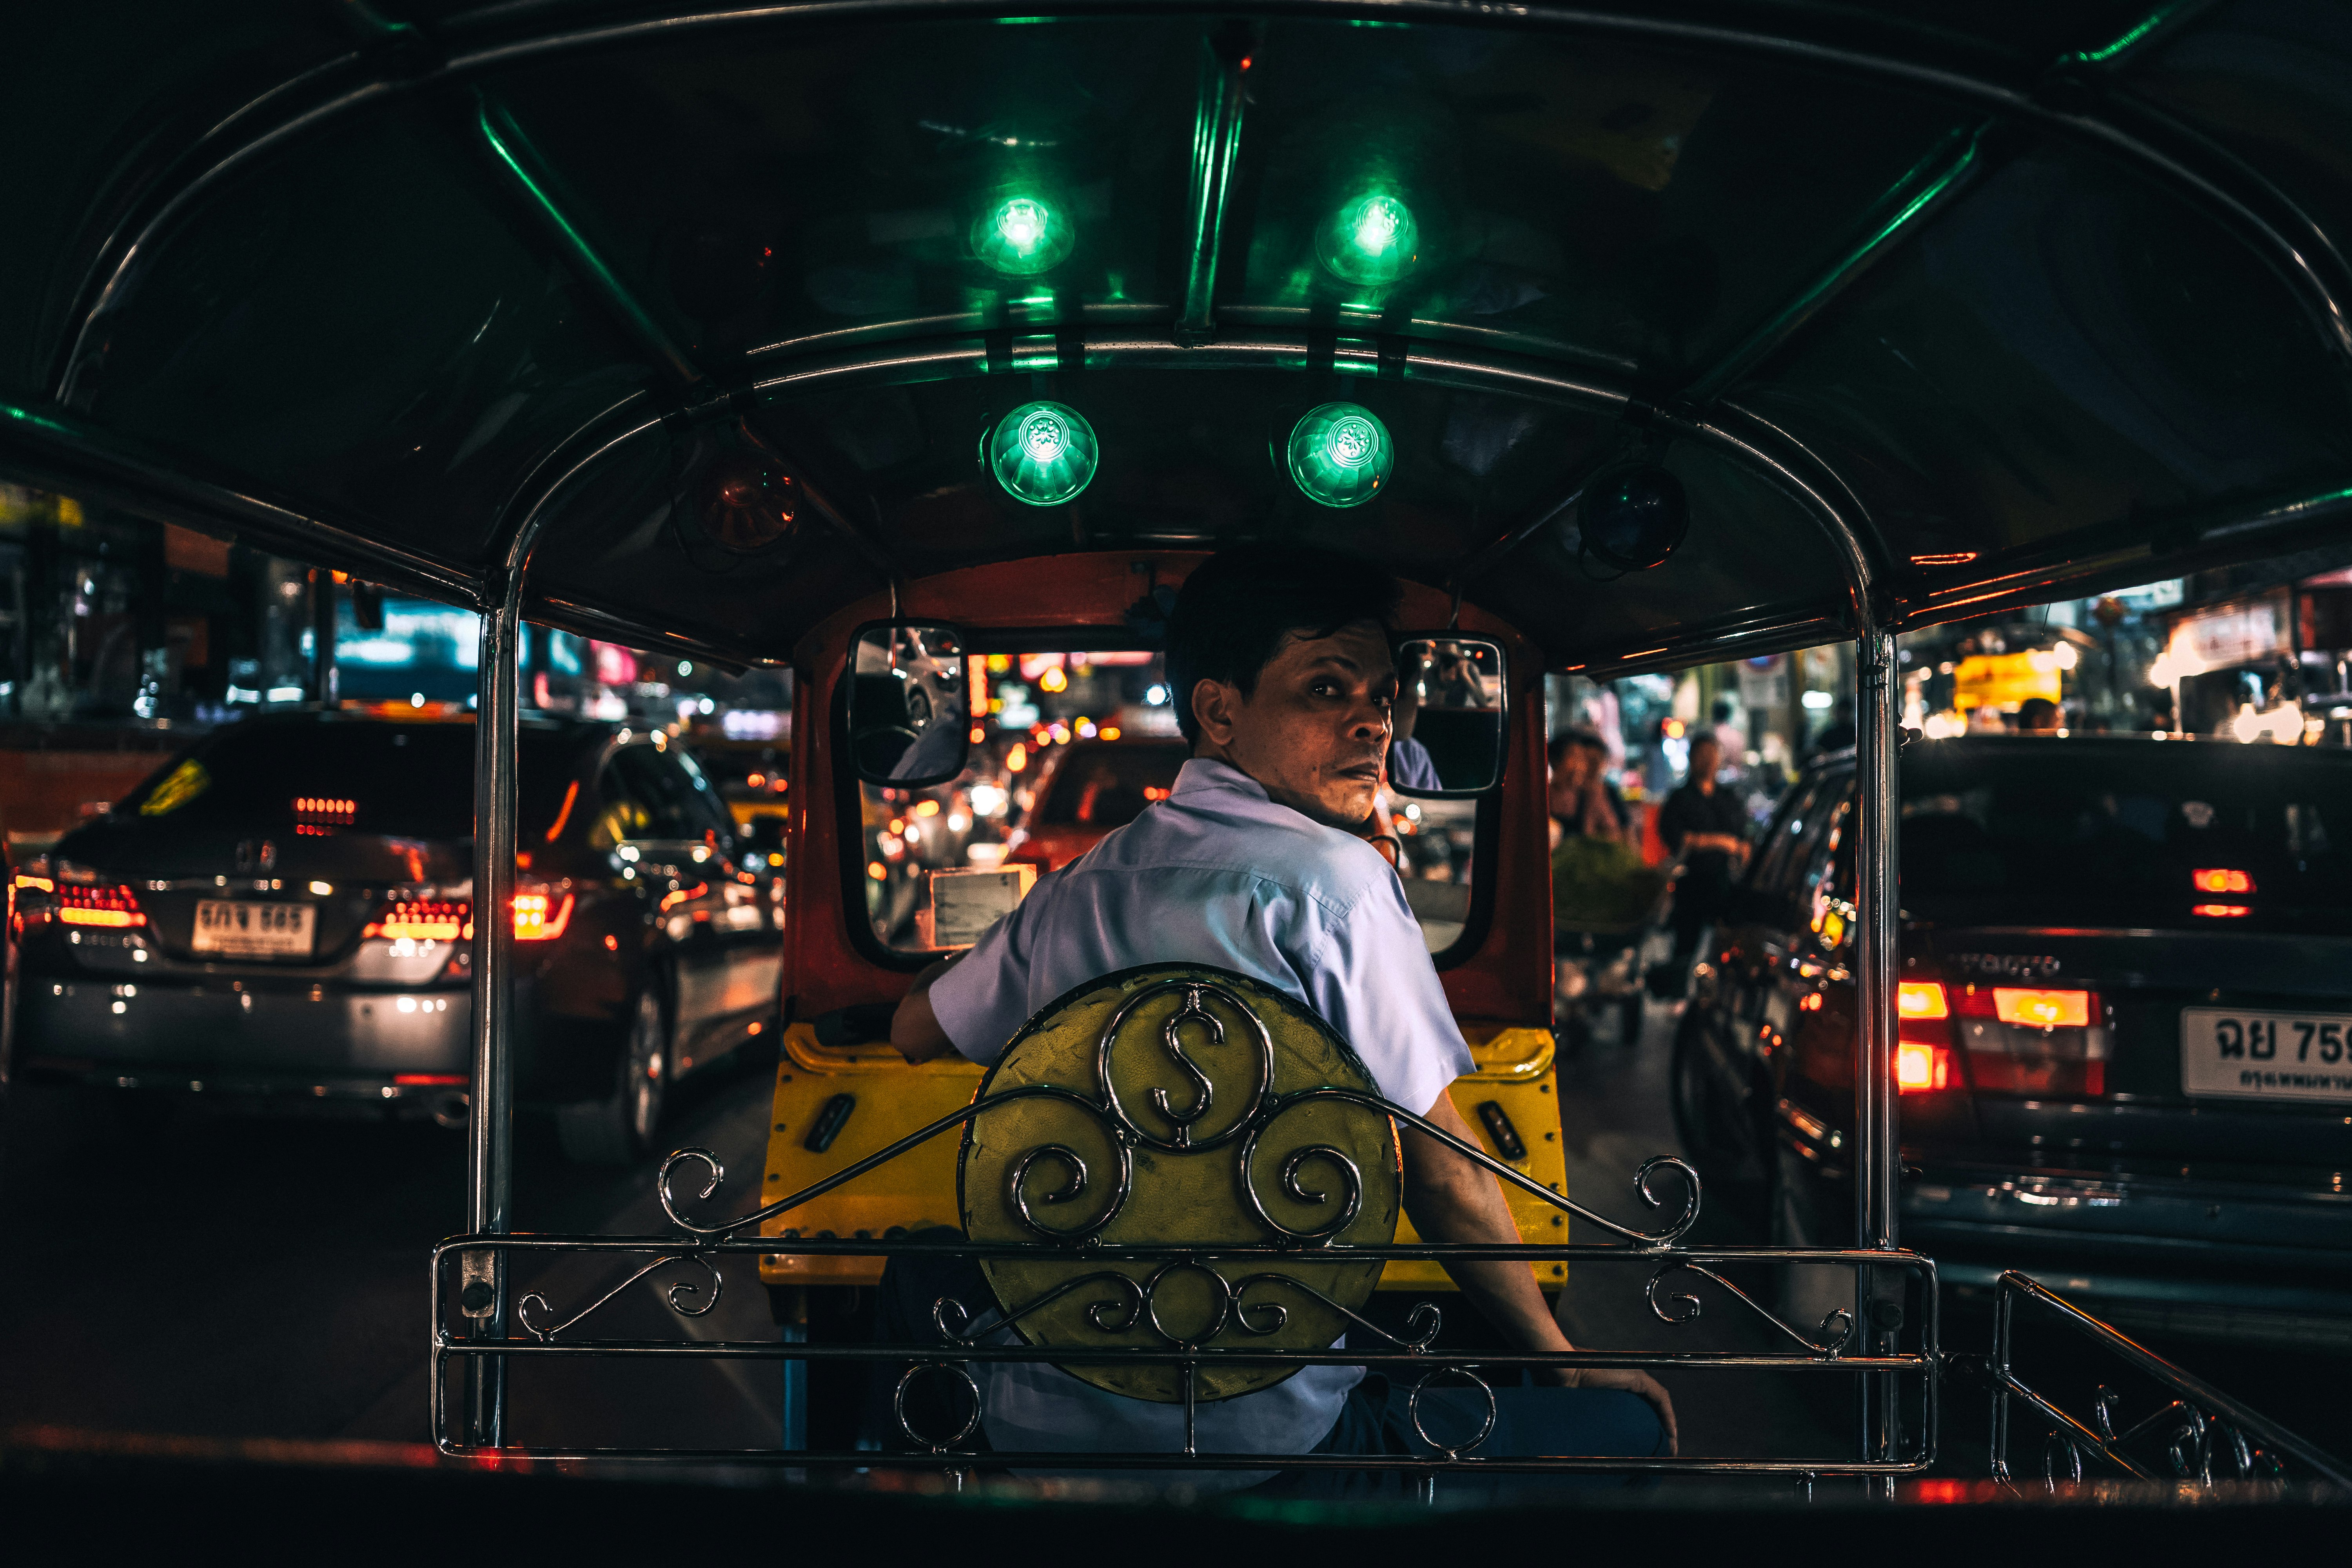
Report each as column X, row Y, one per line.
column 1179, row 1105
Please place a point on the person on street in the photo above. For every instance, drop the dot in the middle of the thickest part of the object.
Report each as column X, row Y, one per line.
column 1707, row 826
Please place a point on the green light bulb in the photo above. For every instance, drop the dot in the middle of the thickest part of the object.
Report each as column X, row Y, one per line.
column 1042, row 453
column 1340, row 455
column 1373, row 239
column 1022, row 235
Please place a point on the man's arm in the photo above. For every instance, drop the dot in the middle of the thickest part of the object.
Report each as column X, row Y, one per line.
column 1450, row 1199
column 915, row 1029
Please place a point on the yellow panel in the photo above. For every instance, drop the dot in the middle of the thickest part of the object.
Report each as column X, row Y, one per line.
column 915, row 1191
column 1514, row 1070
column 919, row 1189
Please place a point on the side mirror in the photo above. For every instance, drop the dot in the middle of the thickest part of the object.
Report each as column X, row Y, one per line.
column 1451, row 716
column 909, row 718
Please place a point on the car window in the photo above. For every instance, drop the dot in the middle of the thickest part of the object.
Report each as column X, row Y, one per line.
column 407, row 780
column 1777, row 867
column 2189, row 835
column 658, row 795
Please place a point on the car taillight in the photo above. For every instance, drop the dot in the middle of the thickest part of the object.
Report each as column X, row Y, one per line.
column 537, row 917
column 2022, row 1040
column 1920, row 999
column 424, row 920
column 114, row 906
column 2042, row 1009
column 1920, row 1066
column 2219, row 879
column 1923, row 1043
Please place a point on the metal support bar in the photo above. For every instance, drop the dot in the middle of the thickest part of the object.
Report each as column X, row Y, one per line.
column 1877, row 1150
column 1216, row 140
column 1927, row 188
column 506, row 139
column 490, row 1152
column 322, row 636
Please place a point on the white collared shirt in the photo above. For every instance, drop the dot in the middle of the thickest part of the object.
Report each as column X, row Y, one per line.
column 1216, row 874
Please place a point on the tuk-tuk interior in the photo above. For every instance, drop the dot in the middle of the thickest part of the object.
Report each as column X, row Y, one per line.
column 1628, row 336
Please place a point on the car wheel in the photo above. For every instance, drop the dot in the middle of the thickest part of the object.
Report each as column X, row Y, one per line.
column 1691, row 1094
column 620, row 1129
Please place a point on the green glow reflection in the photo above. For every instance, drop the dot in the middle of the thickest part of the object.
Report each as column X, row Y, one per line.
column 1042, row 453
column 1340, row 455
column 1022, row 235
column 1371, row 239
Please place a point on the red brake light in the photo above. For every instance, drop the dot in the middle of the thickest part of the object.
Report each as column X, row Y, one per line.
column 2220, row 880
column 534, row 921
column 424, row 920
column 1921, row 999
column 1920, row 1068
column 113, row 906
column 324, row 808
column 2219, row 911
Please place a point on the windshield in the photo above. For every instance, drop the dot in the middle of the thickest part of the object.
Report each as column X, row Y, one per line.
column 402, row 779
column 2190, row 836
column 1068, row 745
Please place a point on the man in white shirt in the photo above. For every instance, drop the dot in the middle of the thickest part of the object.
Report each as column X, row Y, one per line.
column 1279, row 659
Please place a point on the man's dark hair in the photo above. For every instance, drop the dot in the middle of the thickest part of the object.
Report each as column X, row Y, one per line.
column 1237, row 607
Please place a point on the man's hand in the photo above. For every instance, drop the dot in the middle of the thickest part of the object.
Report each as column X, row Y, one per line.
column 1450, row 1199
column 1632, row 1380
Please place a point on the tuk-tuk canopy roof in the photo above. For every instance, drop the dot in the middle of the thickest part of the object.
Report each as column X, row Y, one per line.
column 1931, row 307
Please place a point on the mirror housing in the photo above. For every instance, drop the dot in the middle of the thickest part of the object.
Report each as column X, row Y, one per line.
column 1452, row 716
column 908, row 706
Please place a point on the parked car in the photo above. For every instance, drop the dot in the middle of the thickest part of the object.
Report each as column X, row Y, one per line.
column 284, row 914
column 1086, row 788
column 2125, row 1044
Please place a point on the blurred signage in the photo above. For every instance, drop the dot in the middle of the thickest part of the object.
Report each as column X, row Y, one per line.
column 1764, row 682
column 2246, row 632
column 2004, row 680
column 2149, row 597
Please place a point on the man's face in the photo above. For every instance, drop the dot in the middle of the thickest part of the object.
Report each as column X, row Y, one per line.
column 1705, row 757
column 1315, row 734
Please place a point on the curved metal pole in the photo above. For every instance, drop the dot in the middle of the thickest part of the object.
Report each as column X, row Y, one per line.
column 2297, row 250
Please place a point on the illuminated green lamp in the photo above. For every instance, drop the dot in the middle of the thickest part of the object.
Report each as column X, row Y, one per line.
column 1340, row 455
column 1373, row 239
column 1042, row 453
column 1022, row 235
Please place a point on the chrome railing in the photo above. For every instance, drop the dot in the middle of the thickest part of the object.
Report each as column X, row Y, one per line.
column 2200, row 1431
column 469, row 1329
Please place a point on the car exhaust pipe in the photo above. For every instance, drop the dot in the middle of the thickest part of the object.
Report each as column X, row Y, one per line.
column 450, row 1110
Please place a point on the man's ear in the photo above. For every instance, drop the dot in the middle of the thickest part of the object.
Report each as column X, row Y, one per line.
column 1212, row 710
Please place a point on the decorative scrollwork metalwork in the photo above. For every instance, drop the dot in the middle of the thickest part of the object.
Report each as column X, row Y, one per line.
column 681, row 1295
column 1191, row 1009
column 899, row 1405
column 1123, row 1182
column 1836, row 1326
column 1485, row 1430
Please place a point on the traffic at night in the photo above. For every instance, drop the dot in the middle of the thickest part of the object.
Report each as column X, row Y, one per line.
column 1370, row 769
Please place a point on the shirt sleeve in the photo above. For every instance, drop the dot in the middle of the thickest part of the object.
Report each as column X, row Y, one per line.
column 983, row 998
column 1372, row 981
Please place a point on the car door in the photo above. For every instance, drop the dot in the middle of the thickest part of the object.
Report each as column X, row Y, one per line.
column 713, row 914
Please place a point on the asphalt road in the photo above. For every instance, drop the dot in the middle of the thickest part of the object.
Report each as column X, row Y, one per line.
column 237, row 1278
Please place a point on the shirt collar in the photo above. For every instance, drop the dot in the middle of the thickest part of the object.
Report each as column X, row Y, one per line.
column 1207, row 775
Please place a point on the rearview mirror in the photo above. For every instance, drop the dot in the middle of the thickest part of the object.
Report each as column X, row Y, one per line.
column 909, row 717
column 1449, row 716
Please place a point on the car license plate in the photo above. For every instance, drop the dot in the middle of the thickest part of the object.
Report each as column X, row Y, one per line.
column 2247, row 1055
column 237, row 929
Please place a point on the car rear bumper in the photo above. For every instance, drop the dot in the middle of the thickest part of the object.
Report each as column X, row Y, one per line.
column 405, row 1050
